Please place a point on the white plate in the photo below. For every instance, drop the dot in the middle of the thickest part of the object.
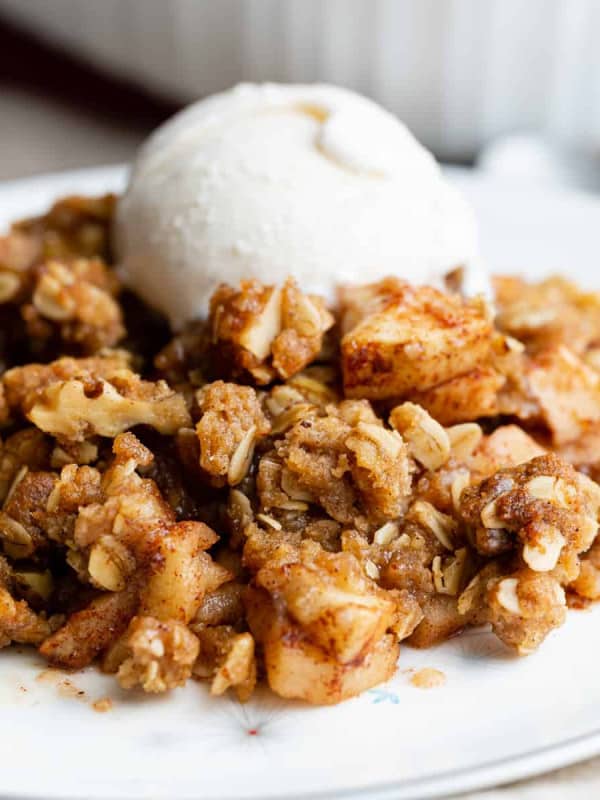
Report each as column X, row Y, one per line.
column 498, row 717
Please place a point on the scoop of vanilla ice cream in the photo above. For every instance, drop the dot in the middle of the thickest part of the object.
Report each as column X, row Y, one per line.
column 265, row 181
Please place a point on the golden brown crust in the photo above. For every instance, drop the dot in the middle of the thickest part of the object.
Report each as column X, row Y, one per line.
column 158, row 655
column 75, row 300
column 543, row 506
column 231, row 424
column 266, row 332
column 53, row 273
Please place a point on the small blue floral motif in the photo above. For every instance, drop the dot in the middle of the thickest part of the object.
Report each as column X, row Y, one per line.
column 384, row 696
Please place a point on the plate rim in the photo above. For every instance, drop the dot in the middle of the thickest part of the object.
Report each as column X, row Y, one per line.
column 484, row 776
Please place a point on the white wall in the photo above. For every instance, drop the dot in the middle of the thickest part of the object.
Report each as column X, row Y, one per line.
column 458, row 71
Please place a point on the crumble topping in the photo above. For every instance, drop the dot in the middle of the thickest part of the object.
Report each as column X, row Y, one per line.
column 286, row 491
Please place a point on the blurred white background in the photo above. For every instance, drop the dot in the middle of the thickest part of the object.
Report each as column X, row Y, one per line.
column 460, row 73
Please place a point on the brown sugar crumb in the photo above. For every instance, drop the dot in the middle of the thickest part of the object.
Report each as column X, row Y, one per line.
column 66, row 688
column 102, row 705
column 232, row 423
column 428, row 678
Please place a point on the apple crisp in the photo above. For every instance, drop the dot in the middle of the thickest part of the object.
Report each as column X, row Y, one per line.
column 285, row 491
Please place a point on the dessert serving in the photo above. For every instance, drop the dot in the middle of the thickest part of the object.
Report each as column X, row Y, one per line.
column 258, row 426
